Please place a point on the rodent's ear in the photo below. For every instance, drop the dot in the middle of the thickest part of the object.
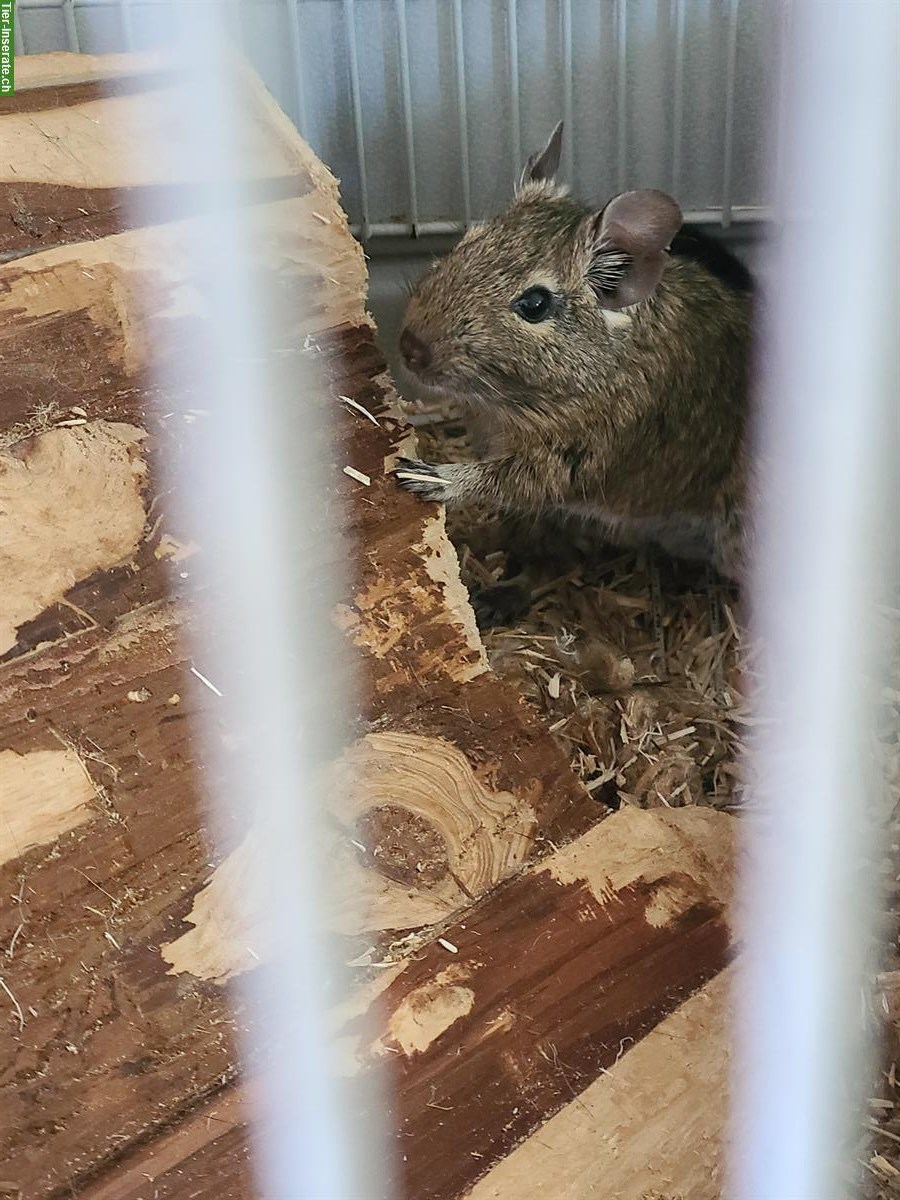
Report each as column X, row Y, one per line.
column 627, row 244
column 543, row 164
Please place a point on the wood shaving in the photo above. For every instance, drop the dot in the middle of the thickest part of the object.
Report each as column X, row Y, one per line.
column 359, row 476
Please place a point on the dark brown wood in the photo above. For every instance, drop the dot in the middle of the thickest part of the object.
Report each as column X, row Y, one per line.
column 67, row 95
column 206, row 1156
column 562, row 986
column 518, row 1008
column 92, row 915
column 40, row 216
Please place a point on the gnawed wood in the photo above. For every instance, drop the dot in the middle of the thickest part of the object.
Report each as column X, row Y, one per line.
column 563, row 976
column 43, row 795
column 420, row 835
column 71, row 169
column 690, row 849
column 426, row 1012
column 222, row 941
column 652, row 1126
column 442, row 567
column 134, row 871
column 70, row 504
column 415, row 838
column 98, row 316
column 378, row 617
column 554, row 1042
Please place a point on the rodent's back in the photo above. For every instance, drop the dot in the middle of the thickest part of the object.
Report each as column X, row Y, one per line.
column 687, row 353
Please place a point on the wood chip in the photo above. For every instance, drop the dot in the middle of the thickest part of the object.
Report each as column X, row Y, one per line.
column 358, row 476
column 206, row 682
column 357, row 407
column 680, row 733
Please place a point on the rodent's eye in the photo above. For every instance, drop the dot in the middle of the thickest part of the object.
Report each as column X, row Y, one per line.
column 534, row 305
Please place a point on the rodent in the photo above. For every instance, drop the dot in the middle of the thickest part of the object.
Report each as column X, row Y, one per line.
column 604, row 359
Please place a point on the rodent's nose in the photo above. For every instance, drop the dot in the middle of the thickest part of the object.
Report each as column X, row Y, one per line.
column 416, row 353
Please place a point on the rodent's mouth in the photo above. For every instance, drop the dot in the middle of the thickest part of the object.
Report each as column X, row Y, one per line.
column 429, row 382
column 435, row 384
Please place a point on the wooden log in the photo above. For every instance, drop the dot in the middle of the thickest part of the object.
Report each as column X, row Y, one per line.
column 108, row 1042
column 551, row 979
column 70, row 171
column 651, row 1128
column 565, row 1037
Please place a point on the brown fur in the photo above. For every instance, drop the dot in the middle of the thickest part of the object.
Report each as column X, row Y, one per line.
column 636, row 418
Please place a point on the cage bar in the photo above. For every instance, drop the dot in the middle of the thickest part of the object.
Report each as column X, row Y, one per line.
column 621, row 94
column 678, row 97
column 356, row 103
column 515, row 113
column 568, row 91
column 72, row 39
column 787, row 25
column 822, row 522
column 728, row 149
column 293, row 8
column 462, row 110
column 127, row 20
column 406, row 94
column 18, row 36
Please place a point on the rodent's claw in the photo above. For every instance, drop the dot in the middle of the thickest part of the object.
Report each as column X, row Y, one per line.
column 425, row 479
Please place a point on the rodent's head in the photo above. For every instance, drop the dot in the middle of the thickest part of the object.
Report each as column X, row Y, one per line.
column 527, row 306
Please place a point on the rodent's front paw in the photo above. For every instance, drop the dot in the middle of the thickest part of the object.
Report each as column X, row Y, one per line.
column 431, row 481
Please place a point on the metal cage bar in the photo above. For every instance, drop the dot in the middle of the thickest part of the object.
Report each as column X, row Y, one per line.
column 293, row 11
column 127, row 19
column 459, row 51
column 18, row 36
column 515, row 112
column 787, row 25
column 72, row 40
column 621, row 94
column 568, row 91
column 406, row 95
column 728, row 149
column 356, row 104
column 678, row 97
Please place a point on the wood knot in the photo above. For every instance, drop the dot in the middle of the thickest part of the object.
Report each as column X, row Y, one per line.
column 403, row 845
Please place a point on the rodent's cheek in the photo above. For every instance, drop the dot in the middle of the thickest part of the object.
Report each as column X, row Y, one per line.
column 542, row 331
